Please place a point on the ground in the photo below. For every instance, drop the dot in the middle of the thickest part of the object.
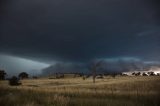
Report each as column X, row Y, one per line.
column 119, row 91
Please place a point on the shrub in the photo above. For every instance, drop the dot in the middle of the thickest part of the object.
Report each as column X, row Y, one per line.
column 23, row 75
column 14, row 81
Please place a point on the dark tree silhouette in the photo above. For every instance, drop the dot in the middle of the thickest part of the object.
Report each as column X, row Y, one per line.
column 23, row 75
column 144, row 74
column 14, row 81
column 93, row 67
column 138, row 74
column 133, row 73
column 2, row 75
column 151, row 73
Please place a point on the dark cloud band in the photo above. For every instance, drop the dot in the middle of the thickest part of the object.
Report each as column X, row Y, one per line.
column 80, row 30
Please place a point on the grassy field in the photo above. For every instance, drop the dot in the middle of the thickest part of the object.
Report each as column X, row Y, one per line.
column 119, row 91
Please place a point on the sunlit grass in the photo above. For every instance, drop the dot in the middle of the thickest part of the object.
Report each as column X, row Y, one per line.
column 121, row 91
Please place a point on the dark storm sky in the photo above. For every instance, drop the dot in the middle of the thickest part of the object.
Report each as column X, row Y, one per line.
column 80, row 30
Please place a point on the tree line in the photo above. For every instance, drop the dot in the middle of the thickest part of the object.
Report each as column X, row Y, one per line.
column 14, row 80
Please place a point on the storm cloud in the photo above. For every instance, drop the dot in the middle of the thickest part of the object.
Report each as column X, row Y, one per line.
column 106, row 66
column 80, row 30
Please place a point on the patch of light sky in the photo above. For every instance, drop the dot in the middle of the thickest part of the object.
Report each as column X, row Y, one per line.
column 14, row 65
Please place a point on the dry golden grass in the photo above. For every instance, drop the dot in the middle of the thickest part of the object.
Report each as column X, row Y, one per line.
column 121, row 91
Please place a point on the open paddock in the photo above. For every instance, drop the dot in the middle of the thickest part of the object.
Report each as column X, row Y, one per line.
column 121, row 91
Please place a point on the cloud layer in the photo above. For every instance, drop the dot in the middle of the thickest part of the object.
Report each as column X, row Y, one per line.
column 74, row 32
column 80, row 30
column 106, row 66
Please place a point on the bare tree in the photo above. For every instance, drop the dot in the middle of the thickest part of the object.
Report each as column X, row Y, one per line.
column 93, row 67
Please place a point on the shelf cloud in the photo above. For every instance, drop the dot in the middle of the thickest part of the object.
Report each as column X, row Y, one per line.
column 77, row 31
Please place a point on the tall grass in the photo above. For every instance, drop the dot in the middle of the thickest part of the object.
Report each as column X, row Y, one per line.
column 122, row 91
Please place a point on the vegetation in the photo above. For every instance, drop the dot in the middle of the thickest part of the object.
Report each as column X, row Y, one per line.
column 23, row 75
column 14, row 81
column 109, row 91
column 93, row 67
column 2, row 74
